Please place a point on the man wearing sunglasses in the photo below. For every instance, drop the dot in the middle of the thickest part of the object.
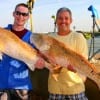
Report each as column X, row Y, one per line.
column 14, row 73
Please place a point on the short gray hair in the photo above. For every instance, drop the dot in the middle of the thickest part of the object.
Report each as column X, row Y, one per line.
column 64, row 9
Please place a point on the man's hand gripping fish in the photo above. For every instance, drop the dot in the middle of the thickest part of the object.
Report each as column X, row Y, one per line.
column 58, row 54
column 11, row 45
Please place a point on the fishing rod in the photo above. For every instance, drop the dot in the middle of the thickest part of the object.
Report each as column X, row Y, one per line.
column 30, row 4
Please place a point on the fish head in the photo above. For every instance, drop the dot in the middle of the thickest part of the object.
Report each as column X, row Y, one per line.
column 40, row 41
column 50, row 48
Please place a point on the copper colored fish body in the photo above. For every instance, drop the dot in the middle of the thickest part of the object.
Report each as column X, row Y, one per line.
column 59, row 54
column 11, row 45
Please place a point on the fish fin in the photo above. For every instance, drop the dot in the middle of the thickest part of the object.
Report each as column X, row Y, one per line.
column 52, row 68
column 56, row 71
column 55, row 76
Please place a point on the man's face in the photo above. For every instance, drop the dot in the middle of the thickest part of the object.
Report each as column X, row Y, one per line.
column 63, row 21
column 21, row 15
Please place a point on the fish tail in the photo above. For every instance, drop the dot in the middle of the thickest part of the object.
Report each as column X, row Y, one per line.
column 55, row 76
column 95, row 77
column 97, row 80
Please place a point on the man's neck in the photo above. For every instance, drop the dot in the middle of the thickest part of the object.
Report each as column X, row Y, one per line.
column 62, row 33
column 18, row 28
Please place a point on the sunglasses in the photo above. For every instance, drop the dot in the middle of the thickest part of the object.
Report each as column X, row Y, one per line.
column 20, row 13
